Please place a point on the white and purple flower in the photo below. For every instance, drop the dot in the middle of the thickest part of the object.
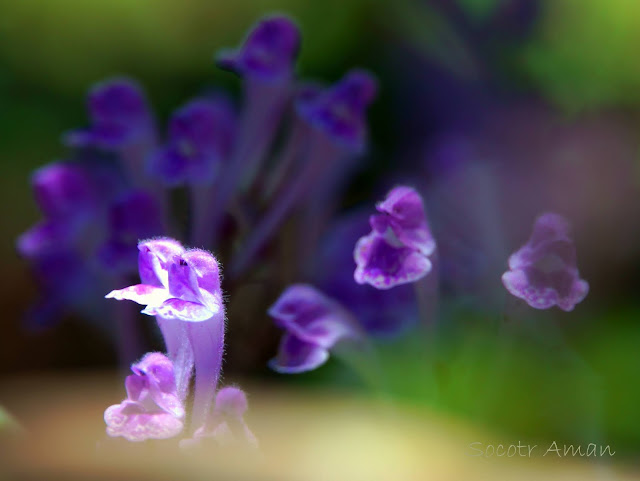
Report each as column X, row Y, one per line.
column 153, row 409
column 182, row 289
column 543, row 272
column 398, row 248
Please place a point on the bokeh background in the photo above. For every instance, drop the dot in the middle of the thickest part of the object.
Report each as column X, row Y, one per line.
column 546, row 93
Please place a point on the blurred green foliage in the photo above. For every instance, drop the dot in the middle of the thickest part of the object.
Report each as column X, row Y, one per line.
column 584, row 55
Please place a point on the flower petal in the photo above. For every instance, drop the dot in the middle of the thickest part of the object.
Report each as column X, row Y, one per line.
column 295, row 356
column 142, row 294
column 179, row 309
column 313, row 317
column 384, row 266
column 140, row 425
column 154, row 258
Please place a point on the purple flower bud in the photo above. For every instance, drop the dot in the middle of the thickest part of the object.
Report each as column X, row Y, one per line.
column 226, row 425
column 314, row 324
column 63, row 190
column 340, row 111
column 397, row 249
column 152, row 409
column 182, row 289
column 134, row 216
column 119, row 116
column 268, row 53
column 201, row 135
column 543, row 272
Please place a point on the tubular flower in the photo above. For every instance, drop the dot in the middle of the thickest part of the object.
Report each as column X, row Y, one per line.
column 314, row 324
column 381, row 313
column 152, row 409
column 182, row 289
column 543, row 272
column 398, row 248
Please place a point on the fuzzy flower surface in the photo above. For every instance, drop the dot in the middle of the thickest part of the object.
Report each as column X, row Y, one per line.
column 152, row 409
column 176, row 283
column 544, row 272
column 397, row 249
column 314, row 324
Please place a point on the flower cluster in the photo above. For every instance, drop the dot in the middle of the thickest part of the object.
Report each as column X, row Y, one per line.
column 289, row 149
column 181, row 288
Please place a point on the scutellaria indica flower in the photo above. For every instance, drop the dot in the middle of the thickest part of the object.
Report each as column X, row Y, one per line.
column 398, row 248
column 153, row 409
column 314, row 324
column 544, row 272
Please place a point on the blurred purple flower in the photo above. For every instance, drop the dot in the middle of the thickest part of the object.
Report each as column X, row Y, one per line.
column 340, row 111
column 201, row 135
column 314, row 324
column 543, row 272
column 182, row 289
column 64, row 191
column 133, row 216
column 268, row 53
column 397, row 249
column 226, row 425
column 152, row 409
column 119, row 117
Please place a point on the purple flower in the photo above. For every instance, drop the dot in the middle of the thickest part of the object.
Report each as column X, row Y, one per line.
column 543, row 272
column 201, row 135
column 314, row 324
column 269, row 51
column 152, row 409
column 133, row 216
column 397, row 249
column 119, row 117
column 182, row 289
column 226, row 425
column 379, row 312
column 340, row 111
column 63, row 191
